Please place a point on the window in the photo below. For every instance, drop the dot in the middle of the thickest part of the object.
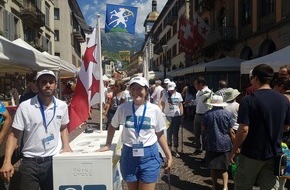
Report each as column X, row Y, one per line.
column 47, row 15
column 56, row 13
column 268, row 7
column 246, row 12
column 56, row 35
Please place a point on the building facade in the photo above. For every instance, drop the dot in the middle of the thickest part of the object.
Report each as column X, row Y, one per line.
column 244, row 29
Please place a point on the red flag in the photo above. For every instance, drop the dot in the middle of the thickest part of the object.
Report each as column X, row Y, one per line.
column 87, row 92
column 201, row 30
column 192, row 34
column 185, row 35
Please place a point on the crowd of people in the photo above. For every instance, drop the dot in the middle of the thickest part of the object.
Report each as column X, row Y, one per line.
column 246, row 128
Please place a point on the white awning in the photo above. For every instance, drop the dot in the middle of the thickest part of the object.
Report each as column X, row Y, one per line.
column 275, row 60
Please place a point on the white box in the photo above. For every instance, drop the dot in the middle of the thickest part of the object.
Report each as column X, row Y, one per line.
column 85, row 169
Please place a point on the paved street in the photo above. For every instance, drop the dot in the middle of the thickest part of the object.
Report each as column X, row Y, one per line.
column 188, row 171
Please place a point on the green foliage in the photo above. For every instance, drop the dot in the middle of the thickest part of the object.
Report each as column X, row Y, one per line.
column 1, row 33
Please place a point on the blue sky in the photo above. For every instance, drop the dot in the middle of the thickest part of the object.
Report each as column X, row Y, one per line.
column 90, row 8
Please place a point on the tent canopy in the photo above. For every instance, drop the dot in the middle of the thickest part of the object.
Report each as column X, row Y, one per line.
column 66, row 69
column 275, row 60
column 224, row 64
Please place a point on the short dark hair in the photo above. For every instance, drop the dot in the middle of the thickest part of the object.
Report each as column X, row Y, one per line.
column 200, row 80
column 264, row 73
column 223, row 84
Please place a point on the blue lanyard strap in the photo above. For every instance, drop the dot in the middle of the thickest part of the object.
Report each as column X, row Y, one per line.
column 137, row 125
column 43, row 115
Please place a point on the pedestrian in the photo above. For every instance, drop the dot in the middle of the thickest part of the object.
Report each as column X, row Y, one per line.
column 262, row 118
column 232, row 106
column 43, row 120
column 143, row 126
column 155, row 97
column 202, row 95
column 31, row 90
column 217, row 127
column 284, row 71
column 172, row 107
column 116, row 99
column 223, row 85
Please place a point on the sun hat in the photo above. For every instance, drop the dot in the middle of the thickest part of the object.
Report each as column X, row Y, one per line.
column 217, row 101
column 44, row 72
column 166, row 81
column 171, row 86
column 231, row 94
column 139, row 80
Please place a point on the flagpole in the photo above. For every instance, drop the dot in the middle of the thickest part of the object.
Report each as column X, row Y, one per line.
column 99, row 57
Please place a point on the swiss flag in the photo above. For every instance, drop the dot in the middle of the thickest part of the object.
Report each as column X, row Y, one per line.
column 185, row 35
column 201, row 30
column 192, row 34
column 87, row 92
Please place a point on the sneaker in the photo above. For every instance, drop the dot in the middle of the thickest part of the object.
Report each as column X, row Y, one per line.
column 197, row 152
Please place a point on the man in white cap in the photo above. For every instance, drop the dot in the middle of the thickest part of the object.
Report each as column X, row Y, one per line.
column 172, row 107
column 43, row 121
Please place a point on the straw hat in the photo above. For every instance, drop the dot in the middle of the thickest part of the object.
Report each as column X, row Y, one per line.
column 217, row 101
column 231, row 94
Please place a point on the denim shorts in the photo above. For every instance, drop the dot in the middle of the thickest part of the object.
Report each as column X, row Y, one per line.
column 145, row 168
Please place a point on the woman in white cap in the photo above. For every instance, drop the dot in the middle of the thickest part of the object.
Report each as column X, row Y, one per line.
column 217, row 127
column 143, row 127
column 172, row 107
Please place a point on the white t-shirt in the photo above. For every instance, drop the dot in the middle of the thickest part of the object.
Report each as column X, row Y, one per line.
column 28, row 118
column 153, row 122
column 201, row 96
column 156, row 94
column 171, row 107
column 234, row 108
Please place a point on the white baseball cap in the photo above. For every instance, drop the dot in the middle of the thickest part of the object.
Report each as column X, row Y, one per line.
column 44, row 72
column 139, row 80
column 166, row 81
column 171, row 86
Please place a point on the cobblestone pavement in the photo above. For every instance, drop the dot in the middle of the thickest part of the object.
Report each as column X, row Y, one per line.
column 188, row 173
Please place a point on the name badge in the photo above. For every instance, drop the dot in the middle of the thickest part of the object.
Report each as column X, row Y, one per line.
column 138, row 150
column 49, row 142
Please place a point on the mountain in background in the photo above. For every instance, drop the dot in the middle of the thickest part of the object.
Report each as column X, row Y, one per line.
column 118, row 41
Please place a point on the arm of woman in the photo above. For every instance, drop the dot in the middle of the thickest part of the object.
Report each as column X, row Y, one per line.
column 110, row 135
column 162, row 142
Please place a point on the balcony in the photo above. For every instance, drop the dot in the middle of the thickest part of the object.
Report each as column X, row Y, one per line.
column 79, row 33
column 223, row 37
column 30, row 13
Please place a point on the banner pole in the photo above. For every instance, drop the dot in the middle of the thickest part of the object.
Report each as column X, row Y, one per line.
column 99, row 57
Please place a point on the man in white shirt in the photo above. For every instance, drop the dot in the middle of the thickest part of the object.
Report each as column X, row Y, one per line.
column 202, row 95
column 155, row 97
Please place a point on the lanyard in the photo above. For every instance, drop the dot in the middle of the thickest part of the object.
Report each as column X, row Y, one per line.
column 137, row 125
column 43, row 115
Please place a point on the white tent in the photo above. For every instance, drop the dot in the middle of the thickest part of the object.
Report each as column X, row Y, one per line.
column 14, row 58
column 275, row 60
column 66, row 69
